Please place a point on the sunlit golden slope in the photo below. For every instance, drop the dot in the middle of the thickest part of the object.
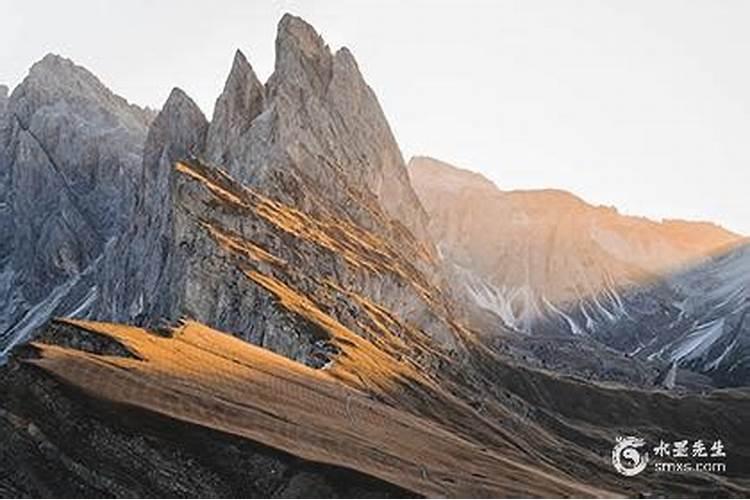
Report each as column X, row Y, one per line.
column 205, row 377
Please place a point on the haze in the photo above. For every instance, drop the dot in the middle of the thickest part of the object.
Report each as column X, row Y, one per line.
column 642, row 105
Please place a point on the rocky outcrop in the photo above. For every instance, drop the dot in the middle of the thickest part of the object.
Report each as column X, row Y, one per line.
column 321, row 139
column 3, row 98
column 69, row 165
column 312, row 143
column 138, row 279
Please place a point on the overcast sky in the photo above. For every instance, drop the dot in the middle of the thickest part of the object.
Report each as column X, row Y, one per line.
column 644, row 105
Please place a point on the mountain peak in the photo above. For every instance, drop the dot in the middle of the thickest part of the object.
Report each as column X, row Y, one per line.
column 55, row 79
column 239, row 103
column 446, row 175
column 239, row 58
column 180, row 127
column 300, row 34
column 303, row 60
column 240, row 66
column 56, row 70
column 178, row 98
column 52, row 60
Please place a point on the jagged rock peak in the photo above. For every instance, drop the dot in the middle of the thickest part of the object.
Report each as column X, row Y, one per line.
column 239, row 103
column 62, row 67
column 295, row 33
column 180, row 124
column 303, row 59
column 178, row 101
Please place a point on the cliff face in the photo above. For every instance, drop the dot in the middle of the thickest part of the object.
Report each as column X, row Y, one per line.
column 136, row 281
column 315, row 136
column 69, row 166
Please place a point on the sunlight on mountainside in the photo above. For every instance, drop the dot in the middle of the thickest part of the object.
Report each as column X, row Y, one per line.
column 202, row 376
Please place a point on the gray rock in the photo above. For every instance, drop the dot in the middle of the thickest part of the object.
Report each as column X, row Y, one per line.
column 70, row 155
column 318, row 143
column 321, row 128
column 236, row 108
column 314, row 140
column 136, row 281
column 3, row 98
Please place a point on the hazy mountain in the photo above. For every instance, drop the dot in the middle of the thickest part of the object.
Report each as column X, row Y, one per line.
column 547, row 262
column 694, row 318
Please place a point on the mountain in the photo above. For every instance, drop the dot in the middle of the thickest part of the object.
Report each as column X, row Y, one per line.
column 546, row 262
column 314, row 139
column 694, row 318
column 263, row 311
column 319, row 209
column 315, row 125
column 69, row 162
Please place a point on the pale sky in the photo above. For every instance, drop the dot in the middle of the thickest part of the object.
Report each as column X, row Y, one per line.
column 644, row 105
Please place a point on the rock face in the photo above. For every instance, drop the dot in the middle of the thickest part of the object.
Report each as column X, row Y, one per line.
column 695, row 319
column 3, row 99
column 294, row 188
column 138, row 280
column 548, row 263
column 69, row 164
column 321, row 184
column 239, row 104
column 320, row 140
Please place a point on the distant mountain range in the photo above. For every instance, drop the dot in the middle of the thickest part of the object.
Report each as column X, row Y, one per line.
column 271, row 303
column 547, row 263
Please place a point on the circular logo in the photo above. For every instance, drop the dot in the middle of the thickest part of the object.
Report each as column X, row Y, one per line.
column 626, row 456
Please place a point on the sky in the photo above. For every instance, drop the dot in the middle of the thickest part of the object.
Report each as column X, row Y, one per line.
column 641, row 105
